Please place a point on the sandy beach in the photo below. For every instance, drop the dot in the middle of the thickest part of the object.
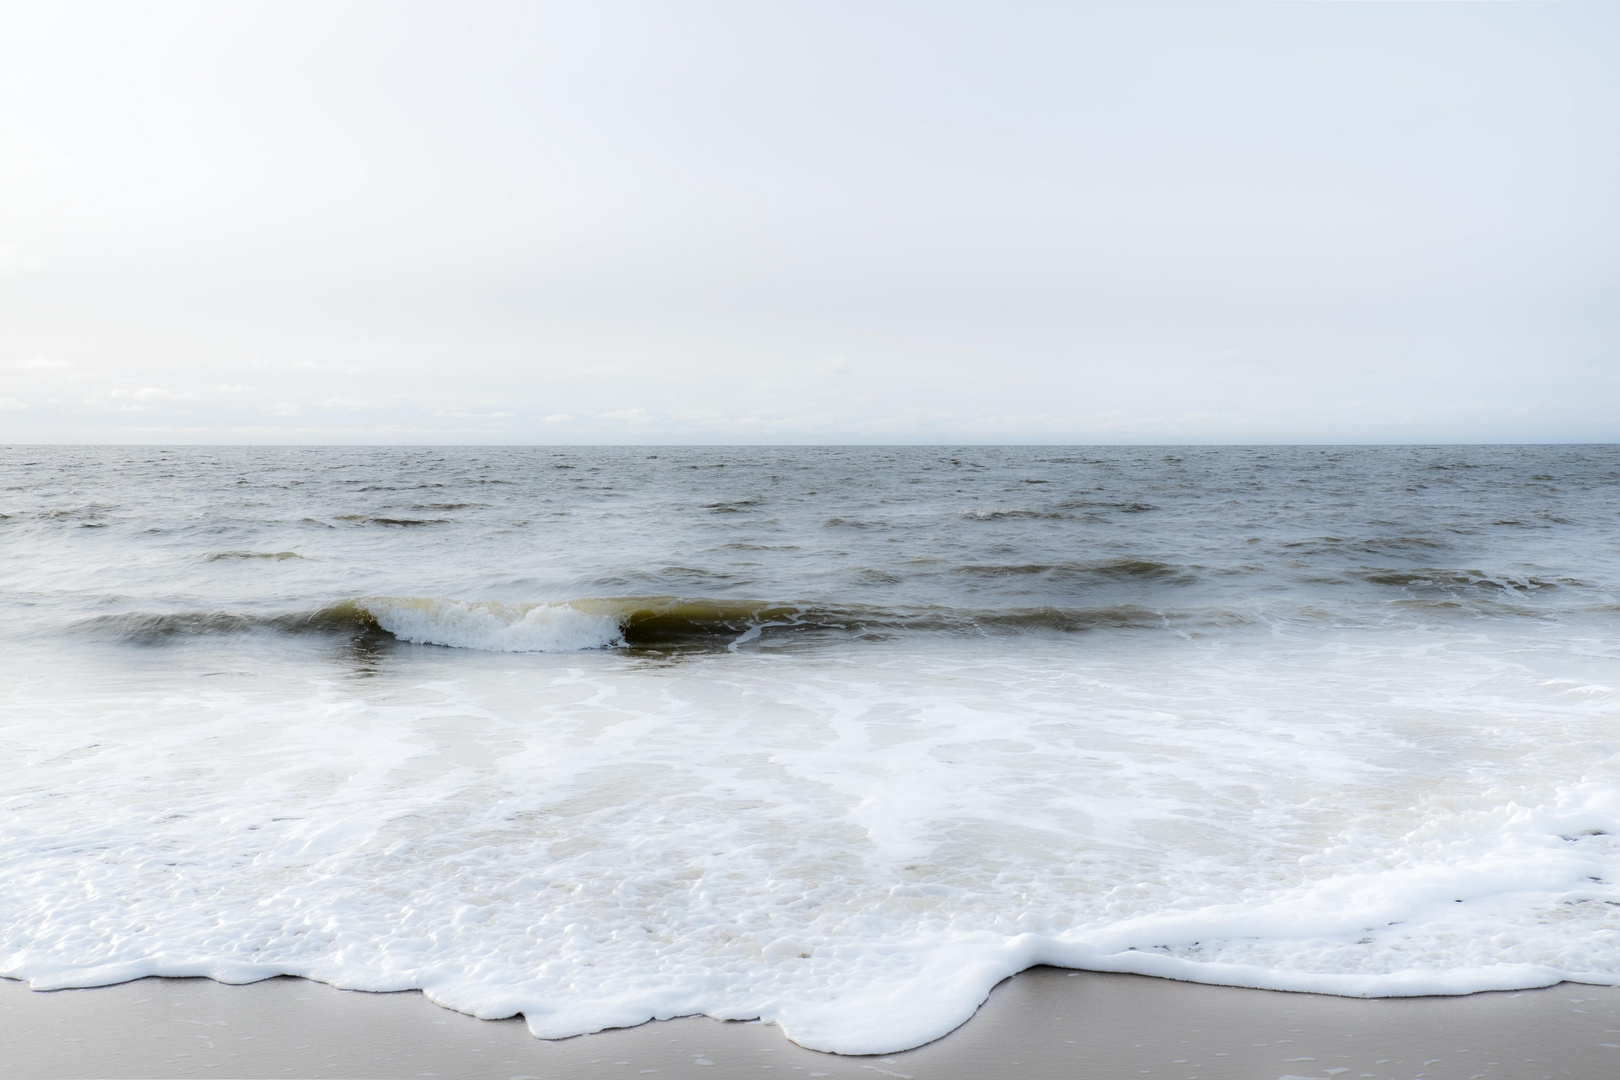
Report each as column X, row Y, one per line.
column 1042, row 1023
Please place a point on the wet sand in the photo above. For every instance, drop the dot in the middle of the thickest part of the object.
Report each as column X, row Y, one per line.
column 1043, row 1023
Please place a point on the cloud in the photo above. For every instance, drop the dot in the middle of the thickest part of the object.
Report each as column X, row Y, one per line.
column 235, row 388
column 12, row 403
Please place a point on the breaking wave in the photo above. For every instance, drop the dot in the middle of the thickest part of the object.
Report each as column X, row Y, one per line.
column 633, row 622
column 493, row 627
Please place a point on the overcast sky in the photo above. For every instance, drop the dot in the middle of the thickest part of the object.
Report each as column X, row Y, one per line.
column 817, row 221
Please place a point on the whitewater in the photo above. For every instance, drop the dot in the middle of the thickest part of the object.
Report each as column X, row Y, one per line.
column 833, row 737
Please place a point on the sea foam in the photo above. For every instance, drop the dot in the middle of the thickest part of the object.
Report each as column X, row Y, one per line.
column 854, row 846
column 491, row 626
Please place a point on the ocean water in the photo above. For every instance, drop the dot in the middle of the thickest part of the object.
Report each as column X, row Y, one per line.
column 835, row 737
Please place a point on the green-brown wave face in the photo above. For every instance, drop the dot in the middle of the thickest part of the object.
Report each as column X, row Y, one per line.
column 631, row 621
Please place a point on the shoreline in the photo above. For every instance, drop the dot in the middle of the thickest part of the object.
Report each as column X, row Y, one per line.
column 1044, row 1022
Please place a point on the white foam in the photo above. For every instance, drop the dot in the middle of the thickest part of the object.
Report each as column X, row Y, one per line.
column 856, row 845
column 491, row 626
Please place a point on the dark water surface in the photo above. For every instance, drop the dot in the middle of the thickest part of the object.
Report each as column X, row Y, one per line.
column 983, row 539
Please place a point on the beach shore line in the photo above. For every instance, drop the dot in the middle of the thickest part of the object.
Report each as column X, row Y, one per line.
column 1042, row 1023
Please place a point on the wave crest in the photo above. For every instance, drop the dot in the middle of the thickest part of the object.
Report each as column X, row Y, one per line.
column 493, row 627
column 633, row 622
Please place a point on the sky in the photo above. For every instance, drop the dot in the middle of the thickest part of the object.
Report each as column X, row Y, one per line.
column 688, row 221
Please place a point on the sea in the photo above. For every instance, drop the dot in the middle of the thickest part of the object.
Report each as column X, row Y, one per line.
column 832, row 737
